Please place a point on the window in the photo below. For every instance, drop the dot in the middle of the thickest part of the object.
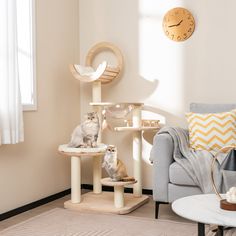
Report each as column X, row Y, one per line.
column 26, row 52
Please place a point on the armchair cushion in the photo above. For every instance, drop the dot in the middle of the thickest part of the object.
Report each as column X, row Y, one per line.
column 211, row 131
column 179, row 176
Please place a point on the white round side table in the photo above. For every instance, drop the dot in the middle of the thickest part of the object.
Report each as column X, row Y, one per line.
column 204, row 209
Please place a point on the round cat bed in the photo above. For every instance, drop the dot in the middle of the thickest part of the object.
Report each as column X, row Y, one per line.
column 76, row 154
column 110, row 72
column 104, row 73
column 101, row 148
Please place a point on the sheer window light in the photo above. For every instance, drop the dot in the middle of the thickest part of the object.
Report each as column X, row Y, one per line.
column 11, row 117
column 26, row 52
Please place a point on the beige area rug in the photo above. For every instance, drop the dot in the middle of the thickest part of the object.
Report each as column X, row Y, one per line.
column 62, row 222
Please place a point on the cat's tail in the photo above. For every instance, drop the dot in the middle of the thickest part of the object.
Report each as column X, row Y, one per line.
column 128, row 178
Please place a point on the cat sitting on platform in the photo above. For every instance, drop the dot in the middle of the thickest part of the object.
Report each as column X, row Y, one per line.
column 114, row 166
column 85, row 135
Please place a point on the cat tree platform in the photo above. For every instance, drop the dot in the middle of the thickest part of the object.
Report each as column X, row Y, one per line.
column 97, row 200
column 119, row 200
column 75, row 155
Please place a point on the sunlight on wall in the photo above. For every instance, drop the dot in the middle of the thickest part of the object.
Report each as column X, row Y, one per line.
column 165, row 75
column 162, row 60
column 148, row 136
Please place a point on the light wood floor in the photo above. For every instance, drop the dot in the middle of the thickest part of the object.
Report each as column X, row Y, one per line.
column 146, row 211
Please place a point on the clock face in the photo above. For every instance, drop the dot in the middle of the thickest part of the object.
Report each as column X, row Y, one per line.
column 178, row 24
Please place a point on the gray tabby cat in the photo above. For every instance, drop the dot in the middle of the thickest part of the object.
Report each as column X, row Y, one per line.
column 86, row 134
column 114, row 166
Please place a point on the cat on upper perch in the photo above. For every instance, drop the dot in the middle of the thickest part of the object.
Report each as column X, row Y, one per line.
column 114, row 166
column 85, row 135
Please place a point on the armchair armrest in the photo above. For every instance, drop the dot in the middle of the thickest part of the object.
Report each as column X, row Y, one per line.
column 161, row 156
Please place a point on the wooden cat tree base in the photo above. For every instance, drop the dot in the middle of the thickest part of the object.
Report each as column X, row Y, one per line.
column 104, row 202
column 117, row 202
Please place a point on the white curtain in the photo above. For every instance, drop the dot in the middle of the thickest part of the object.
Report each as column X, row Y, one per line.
column 11, row 117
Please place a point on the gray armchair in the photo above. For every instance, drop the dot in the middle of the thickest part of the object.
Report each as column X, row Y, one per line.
column 170, row 181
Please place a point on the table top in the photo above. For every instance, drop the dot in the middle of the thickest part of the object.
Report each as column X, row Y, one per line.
column 204, row 208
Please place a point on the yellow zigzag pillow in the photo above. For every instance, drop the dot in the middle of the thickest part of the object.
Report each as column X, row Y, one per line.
column 212, row 131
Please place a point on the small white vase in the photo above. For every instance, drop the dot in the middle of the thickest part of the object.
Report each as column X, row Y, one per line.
column 231, row 195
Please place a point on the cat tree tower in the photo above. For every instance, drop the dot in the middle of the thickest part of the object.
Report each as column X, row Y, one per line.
column 116, row 202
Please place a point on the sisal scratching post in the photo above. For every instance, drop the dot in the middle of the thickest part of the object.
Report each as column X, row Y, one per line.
column 137, row 151
column 119, row 196
column 119, row 200
column 97, row 162
column 97, row 174
column 75, row 179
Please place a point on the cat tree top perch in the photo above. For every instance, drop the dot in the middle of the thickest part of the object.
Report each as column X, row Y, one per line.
column 104, row 73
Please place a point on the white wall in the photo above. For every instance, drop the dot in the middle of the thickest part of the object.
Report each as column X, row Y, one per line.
column 33, row 170
column 163, row 74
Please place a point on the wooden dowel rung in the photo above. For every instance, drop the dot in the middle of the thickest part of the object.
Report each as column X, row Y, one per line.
column 105, row 82
column 113, row 69
column 110, row 73
column 107, row 77
column 104, row 79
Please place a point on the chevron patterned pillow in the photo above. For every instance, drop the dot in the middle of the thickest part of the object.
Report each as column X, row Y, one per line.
column 211, row 131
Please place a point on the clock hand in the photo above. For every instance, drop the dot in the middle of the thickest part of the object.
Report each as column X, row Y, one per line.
column 175, row 24
column 171, row 26
column 179, row 23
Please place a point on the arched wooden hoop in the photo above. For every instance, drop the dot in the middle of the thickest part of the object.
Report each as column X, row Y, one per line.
column 110, row 73
column 225, row 150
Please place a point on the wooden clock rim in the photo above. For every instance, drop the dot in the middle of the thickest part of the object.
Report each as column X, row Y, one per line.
column 174, row 9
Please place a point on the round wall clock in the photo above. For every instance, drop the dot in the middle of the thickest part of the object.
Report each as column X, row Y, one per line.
column 178, row 24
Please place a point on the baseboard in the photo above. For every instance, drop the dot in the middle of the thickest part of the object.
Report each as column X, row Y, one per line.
column 35, row 204
column 56, row 196
column 111, row 189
